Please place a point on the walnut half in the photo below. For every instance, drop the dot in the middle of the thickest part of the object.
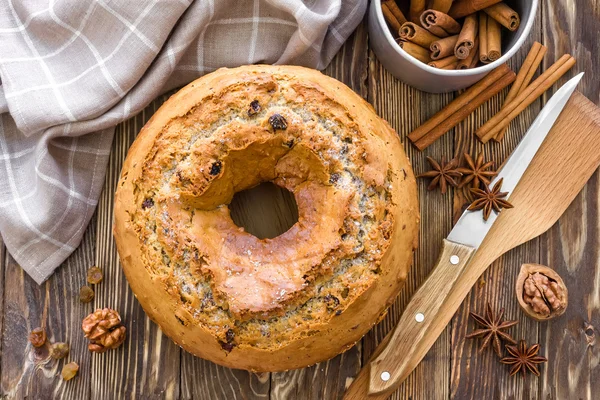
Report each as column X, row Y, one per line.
column 541, row 292
column 104, row 330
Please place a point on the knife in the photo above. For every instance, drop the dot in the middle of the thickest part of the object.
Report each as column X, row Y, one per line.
column 403, row 349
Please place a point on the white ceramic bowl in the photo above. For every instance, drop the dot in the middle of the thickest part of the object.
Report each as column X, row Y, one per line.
column 434, row 80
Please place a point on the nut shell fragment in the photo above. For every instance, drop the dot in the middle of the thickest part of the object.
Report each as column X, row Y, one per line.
column 541, row 292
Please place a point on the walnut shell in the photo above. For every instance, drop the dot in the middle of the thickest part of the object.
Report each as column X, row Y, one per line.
column 541, row 292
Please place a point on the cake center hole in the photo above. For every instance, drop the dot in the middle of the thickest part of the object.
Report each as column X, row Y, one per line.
column 265, row 211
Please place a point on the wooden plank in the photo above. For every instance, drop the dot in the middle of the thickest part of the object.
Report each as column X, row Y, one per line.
column 327, row 380
column 573, row 28
column 570, row 341
column 475, row 375
column 147, row 364
column 405, row 108
column 3, row 260
column 571, row 247
column 201, row 379
column 30, row 372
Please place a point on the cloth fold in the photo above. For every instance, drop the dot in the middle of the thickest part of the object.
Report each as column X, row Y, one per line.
column 71, row 70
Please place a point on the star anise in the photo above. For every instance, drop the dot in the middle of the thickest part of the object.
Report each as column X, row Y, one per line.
column 488, row 200
column 524, row 358
column 476, row 172
column 443, row 174
column 492, row 330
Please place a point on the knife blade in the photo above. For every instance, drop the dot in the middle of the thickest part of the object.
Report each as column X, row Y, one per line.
column 393, row 363
column 471, row 229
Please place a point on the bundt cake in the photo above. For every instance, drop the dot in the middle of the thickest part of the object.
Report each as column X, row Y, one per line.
column 266, row 304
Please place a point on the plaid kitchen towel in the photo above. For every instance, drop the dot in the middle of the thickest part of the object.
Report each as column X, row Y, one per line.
column 71, row 70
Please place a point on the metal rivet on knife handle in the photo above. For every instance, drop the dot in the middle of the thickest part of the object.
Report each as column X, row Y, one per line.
column 385, row 376
column 454, row 260
column 420, row 317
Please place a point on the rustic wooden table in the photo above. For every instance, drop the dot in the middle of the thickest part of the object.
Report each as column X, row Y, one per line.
column 149, row 365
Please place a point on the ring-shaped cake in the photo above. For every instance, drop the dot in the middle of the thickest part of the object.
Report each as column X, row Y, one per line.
column 266, row 304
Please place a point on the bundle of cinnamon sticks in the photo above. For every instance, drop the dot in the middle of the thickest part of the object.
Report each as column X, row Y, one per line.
column 522, row 94
column 450, row 34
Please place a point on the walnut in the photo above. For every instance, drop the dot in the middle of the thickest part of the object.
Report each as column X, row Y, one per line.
column 541, row 292
column 104, row 330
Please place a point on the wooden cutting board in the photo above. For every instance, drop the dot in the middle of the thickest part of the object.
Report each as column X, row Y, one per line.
column 564, row 163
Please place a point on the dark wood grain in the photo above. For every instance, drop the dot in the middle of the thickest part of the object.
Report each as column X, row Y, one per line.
column 3, row 259
column 202, row 379
column 573, row 28
column 571, row 341
column 571, row 246
column 150, row 366
column 326, row 380
column 54, row 305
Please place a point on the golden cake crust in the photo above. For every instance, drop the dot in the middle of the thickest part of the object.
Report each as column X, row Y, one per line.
column 272, row 304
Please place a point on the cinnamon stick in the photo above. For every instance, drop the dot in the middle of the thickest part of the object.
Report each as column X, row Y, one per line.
column 439, row 24
column 494, row 40
column 416, row 10
column 503, row 118
column 505, row 15
column 390, row 19
column 418, row 52
column 472, row 58
column 444, row 63
column 393, row 7
column 462, row 8
column 441, row 5
column 483, row 43
column 466, row 38
column 416, row 34
column 530, row 65
column 442, row 48
column 451, row 66
column 462, row 106
column 475, row 60
column 536, row 63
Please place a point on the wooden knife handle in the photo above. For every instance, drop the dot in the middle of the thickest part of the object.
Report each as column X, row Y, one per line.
column 402, row 352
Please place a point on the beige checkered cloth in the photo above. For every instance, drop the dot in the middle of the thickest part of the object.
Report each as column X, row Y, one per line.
column 72, row 70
